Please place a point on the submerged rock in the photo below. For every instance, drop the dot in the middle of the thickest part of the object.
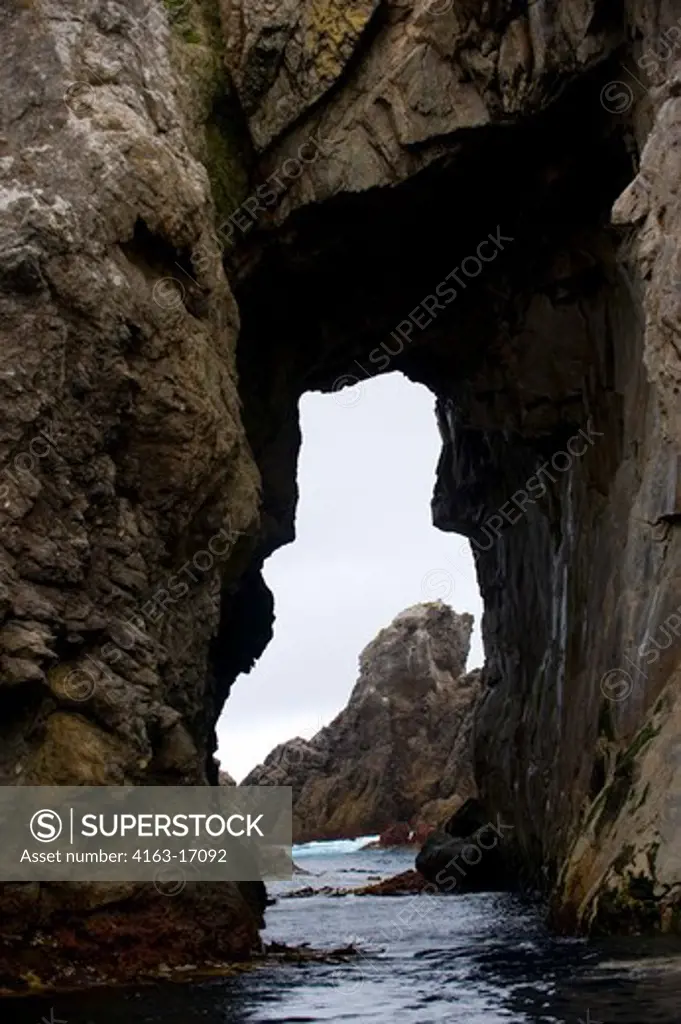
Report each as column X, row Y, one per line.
column 401, row 749
column 406, row 883
column 399, row 834
column 470, row 854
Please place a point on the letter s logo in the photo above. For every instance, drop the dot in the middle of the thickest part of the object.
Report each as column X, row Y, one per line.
column 45, row 826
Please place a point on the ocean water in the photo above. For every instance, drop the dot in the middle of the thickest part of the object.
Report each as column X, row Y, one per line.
column 484, row 958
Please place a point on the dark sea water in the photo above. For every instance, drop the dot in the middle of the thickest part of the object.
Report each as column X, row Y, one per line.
column 424, row 960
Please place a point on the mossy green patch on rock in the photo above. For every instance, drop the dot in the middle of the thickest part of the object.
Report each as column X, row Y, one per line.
column 620, row 787
column 218, row 134
column 646, row 734
column 331, row 32
column 626, row 911
column 181, row 17
column 628, row 886
column 632, row 895
column 227, row 157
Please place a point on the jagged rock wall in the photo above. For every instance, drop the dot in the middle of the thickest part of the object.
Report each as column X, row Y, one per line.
column 128, row 493
column 439, row 122
column 400, row 750
column 127, row 480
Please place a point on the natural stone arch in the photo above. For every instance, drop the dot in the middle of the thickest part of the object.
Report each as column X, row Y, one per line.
column 122, row 133
column 537, row 370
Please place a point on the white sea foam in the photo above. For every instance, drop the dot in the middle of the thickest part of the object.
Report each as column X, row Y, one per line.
column 332, row 847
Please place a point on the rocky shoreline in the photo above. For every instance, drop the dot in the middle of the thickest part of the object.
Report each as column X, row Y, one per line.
column 154, row 934
column 49, row 975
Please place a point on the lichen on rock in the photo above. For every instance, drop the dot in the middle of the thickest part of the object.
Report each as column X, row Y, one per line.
column 218, row 134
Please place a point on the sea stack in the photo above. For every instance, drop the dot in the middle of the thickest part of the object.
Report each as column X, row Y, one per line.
column 400, row 751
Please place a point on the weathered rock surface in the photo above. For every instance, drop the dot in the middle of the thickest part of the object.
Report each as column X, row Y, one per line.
column 469, row 854
column 448, row 118
column 127, row 487
column 405, row 884
column 92, row 939
column 127, row 445
column 401, row 748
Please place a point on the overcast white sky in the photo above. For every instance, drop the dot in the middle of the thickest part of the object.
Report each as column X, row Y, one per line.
column 365, row 550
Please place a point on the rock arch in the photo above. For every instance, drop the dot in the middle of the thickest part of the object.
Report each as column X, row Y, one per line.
column 384, row 142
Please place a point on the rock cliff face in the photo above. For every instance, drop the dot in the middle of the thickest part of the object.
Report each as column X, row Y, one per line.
column 508, row 189
column 128, row 493
column 477, row 194
column 401, row 748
